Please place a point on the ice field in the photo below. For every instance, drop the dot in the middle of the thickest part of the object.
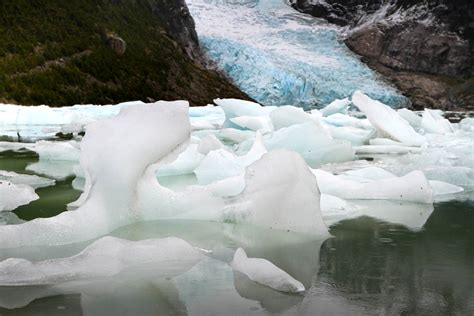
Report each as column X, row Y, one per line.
column 229, row 196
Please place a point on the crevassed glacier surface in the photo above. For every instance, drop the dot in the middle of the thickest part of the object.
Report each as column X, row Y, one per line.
column 279, row 56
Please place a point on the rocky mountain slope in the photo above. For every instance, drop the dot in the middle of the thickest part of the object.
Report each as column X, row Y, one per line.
column 102, row 51
column 424, row 47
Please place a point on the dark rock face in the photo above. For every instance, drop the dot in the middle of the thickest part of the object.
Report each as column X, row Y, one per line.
column 424, row 47
column 179, row 24
column 118, row 45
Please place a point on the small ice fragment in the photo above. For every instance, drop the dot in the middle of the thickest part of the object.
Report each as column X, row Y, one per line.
column 185, row 163
column 32, row 180
column 442, row 188
column 336, row 106
column 254, row 123
column 15, row 195
column 264, row 272
column 433, row 122
column 411, row 117
column 387, row 120
column 386, row 149
column 209, row 143
column 287, row 115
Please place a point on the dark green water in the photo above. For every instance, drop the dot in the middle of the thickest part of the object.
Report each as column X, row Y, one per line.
column 368, row 268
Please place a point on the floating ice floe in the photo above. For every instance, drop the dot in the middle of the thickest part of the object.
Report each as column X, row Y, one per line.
column 413, row 187
column 14, row 195
column 266, row 273
column 32, row 180
column 387, row 121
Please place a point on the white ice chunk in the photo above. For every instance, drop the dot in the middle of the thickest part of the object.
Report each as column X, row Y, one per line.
column 106, row 257
column 264, row 272
column 335, row 209
column 286, row 116
column 370, row 173
column 411, row 117
column 280, row 193
column 235, row 135
column 235, row 108
column 209, row 143
column 254, row 123
column 48, row 150
column 221, row 164
column 56, row 169
column 344, row 120
column 217, row 165
column 336, row 106
column 467, row 124
column 413, row 187
column 386, row 149
column 356, row 136
column 433, row 122
column 459, row 176
column 443, row 188
column 312, row 142
column 387, row 121
column 32, row 180
column 15, row 195
column 186, row 162
column 115, row 153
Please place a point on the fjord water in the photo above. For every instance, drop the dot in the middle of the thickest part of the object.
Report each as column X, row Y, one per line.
column 368, row 267
column 279, row 56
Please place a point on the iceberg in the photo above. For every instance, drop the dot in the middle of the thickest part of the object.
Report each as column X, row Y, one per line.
column 280, row 193
column 413, row 187
column 114, row 155
column 266, row 273
column 14, row 195
column 387, row 121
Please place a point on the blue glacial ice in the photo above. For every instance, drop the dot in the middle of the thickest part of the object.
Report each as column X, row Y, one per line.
column 279, row 56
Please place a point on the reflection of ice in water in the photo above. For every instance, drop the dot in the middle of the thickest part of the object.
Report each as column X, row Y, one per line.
column 410, row 215
column 279, row 56
column 212, row 277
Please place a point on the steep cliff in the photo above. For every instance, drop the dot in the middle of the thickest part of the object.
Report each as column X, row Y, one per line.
column 102, row 51
column 424, row 47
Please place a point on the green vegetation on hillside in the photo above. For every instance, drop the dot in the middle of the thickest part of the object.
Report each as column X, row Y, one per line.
column 56, row 52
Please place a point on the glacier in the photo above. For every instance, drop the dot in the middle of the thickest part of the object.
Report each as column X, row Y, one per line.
column 281, row 57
